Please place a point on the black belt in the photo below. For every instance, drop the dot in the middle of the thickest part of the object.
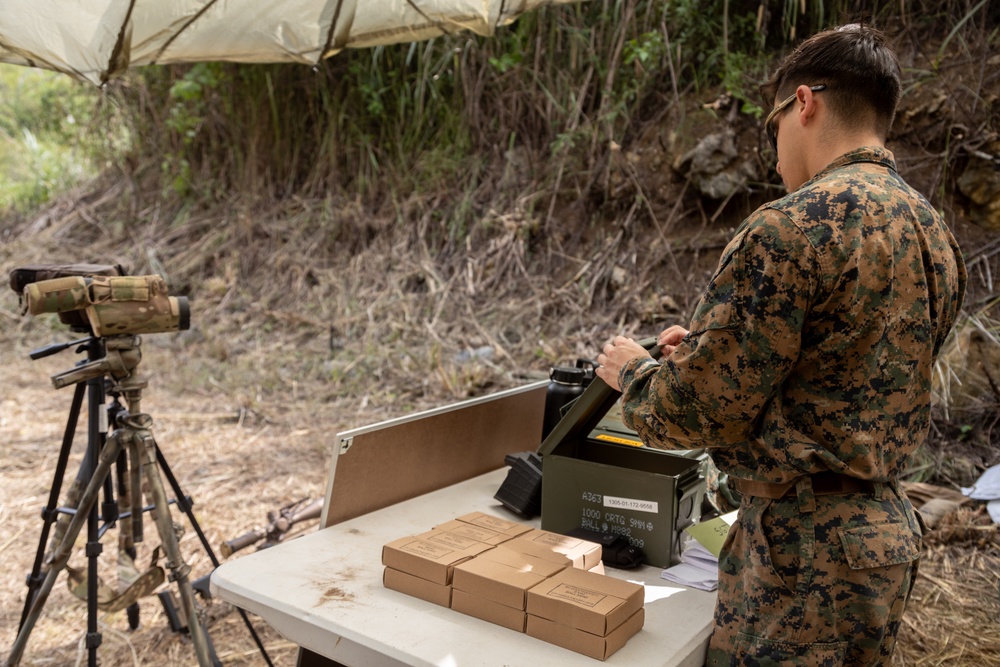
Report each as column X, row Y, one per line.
column 823, row 484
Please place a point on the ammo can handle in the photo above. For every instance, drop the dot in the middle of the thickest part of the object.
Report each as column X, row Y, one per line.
column 589, row 408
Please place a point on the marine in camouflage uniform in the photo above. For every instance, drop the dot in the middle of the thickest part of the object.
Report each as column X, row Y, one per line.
column 807, row 373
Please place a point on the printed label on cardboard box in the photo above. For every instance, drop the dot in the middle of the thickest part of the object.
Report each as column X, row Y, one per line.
column 427, row 550
column 580, row 596
column 554, row 540
column 494, row 523
column 473, row 532
column 450, row 539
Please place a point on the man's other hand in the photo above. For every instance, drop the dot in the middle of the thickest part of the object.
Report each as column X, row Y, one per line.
column 670, row 338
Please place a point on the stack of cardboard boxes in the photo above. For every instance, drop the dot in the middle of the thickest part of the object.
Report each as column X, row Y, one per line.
column 589, row 613
column 548, row 585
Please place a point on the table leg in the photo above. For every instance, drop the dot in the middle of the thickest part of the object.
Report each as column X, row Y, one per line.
column 307, row 658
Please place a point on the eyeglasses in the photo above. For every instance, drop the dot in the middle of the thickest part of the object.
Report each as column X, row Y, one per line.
column 772, row 134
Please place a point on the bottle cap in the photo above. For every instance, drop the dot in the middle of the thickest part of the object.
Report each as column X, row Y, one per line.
column 567, row 374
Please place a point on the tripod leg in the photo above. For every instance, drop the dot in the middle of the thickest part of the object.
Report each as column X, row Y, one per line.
column 96, row 437
column 184, row 503
column 175, row 562
column 126, row 541
column 49, row 512
column 62, row 553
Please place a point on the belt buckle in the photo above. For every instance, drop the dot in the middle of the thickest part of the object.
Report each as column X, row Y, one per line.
column 826, row 483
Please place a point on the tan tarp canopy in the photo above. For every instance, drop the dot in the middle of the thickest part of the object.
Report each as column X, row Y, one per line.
column 94, row 40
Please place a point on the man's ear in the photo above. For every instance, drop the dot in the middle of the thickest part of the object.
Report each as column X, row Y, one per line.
column 806, row 101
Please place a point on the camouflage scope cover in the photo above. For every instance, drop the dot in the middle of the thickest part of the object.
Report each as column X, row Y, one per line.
column 23, row 276
column 113, row 304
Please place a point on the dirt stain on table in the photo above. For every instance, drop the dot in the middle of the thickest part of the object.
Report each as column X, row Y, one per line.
column 335, row 594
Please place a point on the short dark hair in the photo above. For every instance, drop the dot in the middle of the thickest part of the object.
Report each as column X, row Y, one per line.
column 859, row 68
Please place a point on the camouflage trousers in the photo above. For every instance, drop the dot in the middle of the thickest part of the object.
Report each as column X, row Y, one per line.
column 815, row 581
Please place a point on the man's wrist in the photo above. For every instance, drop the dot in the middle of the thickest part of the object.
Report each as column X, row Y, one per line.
column 632, row 368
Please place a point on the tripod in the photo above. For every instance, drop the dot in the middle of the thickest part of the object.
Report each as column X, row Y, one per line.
column 116, row 358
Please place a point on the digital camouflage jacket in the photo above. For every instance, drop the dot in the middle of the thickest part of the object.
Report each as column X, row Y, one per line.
column 813, row 346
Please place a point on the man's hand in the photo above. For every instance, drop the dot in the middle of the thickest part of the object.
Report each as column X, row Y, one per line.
column 670, row 338
column 616, row 354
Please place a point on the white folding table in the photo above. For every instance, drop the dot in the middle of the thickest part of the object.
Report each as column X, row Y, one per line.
column 324, row 592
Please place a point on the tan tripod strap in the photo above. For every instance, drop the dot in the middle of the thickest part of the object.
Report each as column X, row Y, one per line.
column 136, row 585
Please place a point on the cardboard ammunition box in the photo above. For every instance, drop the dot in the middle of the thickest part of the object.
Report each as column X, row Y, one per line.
column 473, row 532
column 431, row 555
column 503, row 576
column 586, row 601
column 599, row 476
column 583, row 554
column 503, row 526
column 417, row 587
column 590, row 645
column 488, row 610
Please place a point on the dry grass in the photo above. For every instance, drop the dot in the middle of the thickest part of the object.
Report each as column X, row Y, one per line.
column 953, row 617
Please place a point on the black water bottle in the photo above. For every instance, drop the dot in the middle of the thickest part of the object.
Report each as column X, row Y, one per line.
column 565, row 384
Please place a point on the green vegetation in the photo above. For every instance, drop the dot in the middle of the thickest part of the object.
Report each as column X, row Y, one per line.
column 45, row 142
column 564, row 81
column 542, row 101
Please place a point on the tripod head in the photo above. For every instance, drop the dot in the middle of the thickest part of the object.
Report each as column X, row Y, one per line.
column 113, row 308
column 115, row 356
